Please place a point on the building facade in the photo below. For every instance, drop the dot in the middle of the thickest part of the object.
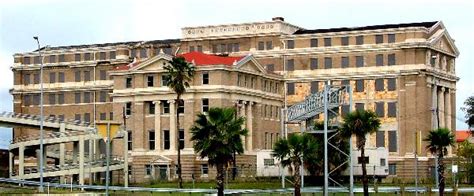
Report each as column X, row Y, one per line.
column 403, row 72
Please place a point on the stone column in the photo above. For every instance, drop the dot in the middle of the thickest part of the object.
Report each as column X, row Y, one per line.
column 21, row 161
column 157, row 125
column 81, row 159
column 441, row 107
column 242, row 114
column 434, row 96
column 10, row 163
column 249, row 121
column 75, row 150
column 447, row 108
column 139, row 136
column 173, row 131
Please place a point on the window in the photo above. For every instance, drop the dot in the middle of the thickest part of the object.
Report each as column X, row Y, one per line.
column 359, row 40
column 166, row 107
column 359, row 86
column 52, row 59
column 392, row 141
column 204, row 169
column 87, row 117
column 52, row 77
column 87, row 56
column 392, row 109
column 167, row 50
column 359, row 61
column 223, row 48
column 77, row 117
column 87, row 97
column 163, row 80
column 379, row 60
column 314, row 42
column 150, row 81
column 344, row 41
column 327, row 42
column 181, row 139
column 26, row 60
column 205, row 78
column 26, row 79
column 199, row 48
column 313, row 63
column 112, row 55
column 77, row 76
column 229, row 48
column 77, row 97
column 143, row 53
column 383, row 162
column 291, row 89
column 290, row 65
column 52, row 99
column 61, row 98
column 327, row 62
column 391, row 38
column 128, row 82
column 102, row 96
column 391, row 59
column 365, row 159
column 314, row 86
column 61, row 77
column 391, row 84
column 266, row 135
column 380, row 139
column 215, row 49
column 130, row 140
column 36, row 99
column 344, row 62
column 102, row 75
column 36, row 60
column 128, row 108
column 268, row 162
column 87, row 76
column 27, row 100
column 205, row 105
column 166, row 139
column 380, row 109
column 148, row 169
column 77, row 57
column 236, row 47
column 102, row 116
column 270, row 68
column 290, row 44
column 151, row 139
column 379, row 84
column 269, row 45
column 61, row 58
column 181, row 106
column 36, row 78
column 61, row 117
column 345, row 82
column 345, row 109
column 111, row 116
column 261, row 46
column 392, row 169
column 378, row 39
column 359, row 106
column 191, row 48
column 151, row 107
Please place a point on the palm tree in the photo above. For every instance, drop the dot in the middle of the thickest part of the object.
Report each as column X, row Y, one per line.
column 217, row 136
column 360, row 123
column 178, row 75
column 293, row 151
column 438, row 141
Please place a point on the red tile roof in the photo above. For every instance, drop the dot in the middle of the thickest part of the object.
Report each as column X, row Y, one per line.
column 200, row 59
column 462, row 135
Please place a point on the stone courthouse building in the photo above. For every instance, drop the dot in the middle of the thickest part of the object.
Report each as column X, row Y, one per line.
column 404, row 72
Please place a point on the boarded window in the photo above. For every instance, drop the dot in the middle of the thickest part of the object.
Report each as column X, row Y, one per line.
column 391, row 84
column 378, row 39
column 52, row 59
column 87, row 76
column 314, row 42
column 327, row 42
column 345, row 109
column 379, row 60
column 36, row 78
column 61, row 77
column 392, row 141
column 290, row 44
column 205, row 78
column 359, row 86
column 290, row 65
column 391, row 59
column 26, row 79
column 270, row 68
column 102, row 96
column 359, row 40
column 77, row 97
column 102, row 75
column 344, row 41
column 314, row 86
column 87, row 97
column 380, row 109
column 52, row 77
column 77, row 76
column 87, row 56
column 269, row 45
column 359, row 61
column 392, row 109
column 344, row 62
column 291, row 89
column 359, row 106
column 380, row 138
column 313, row 63
column 103, row 116
column 112, row 55
column 62, row 58
column 52, row 99
column 327, row 62
column 77, row 57
column 379, row 85
column 61, row 98
column 391, row 38
column 261, row 46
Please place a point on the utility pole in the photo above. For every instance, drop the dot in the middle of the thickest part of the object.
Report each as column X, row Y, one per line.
column 41, row 188
column 326, row 173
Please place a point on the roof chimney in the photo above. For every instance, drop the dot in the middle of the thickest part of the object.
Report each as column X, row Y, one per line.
column 278, row 18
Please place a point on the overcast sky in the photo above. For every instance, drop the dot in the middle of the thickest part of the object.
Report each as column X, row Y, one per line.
column 84, row 22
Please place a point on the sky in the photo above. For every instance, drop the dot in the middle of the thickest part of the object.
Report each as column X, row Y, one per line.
column 74, row 22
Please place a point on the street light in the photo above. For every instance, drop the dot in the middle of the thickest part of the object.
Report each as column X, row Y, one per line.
column 41, row 189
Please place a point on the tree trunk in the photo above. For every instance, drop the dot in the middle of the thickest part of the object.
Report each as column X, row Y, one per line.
column 441, row 173
column 365, row 181
column 180, row 178
column 220, row 179
column 234, row 166
column 297, row 179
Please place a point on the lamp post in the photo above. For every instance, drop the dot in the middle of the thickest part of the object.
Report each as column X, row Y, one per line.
column 41, row 189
